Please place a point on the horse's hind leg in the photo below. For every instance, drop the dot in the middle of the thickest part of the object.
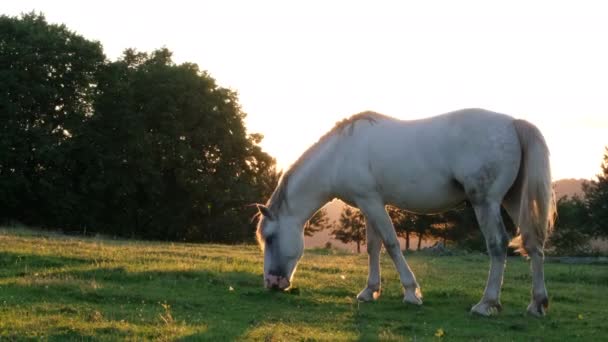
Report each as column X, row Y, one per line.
column 374, row 243
column 376, row 215
column 490, row 222
column 540, row 300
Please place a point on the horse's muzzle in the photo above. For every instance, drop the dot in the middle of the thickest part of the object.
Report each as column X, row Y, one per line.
column 275, row 282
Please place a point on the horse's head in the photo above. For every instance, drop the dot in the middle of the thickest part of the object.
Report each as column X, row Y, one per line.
column 282, row 239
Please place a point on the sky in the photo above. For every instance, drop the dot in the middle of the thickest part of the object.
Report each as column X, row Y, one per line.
column 300, row 66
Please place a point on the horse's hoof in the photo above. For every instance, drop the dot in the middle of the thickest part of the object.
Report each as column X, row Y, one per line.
column 368, row 295
column 413, row 296
column 538, row 308
column 486, row 309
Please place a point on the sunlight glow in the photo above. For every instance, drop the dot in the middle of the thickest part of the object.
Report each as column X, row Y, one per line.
column 300, row 67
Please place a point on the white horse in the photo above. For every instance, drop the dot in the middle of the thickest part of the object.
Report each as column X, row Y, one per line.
column 425, row 166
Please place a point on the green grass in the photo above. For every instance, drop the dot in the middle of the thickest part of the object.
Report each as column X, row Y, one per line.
column 60, row 288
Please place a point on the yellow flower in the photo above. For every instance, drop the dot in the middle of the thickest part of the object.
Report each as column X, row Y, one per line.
column 439, row 332
column 580, row 316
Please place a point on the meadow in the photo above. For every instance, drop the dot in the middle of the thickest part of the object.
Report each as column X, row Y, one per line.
column 59, row 288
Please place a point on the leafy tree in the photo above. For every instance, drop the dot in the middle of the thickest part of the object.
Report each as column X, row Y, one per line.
column 350, row 227
column 262, row 168
column 48, row 83
column 137, row 147
column 458, row 225
column 406, row 223
column 423, row 226
column 462, row 228
column 596, row 198
column 318, row 222
column 570, row 235
column 174, row 160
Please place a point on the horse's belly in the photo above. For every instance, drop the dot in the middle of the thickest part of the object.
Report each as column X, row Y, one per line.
column 427, row 198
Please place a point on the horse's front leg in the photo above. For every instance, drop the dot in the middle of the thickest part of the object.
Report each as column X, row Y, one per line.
column 376, row 215
column 492, row 226
column 374, row 244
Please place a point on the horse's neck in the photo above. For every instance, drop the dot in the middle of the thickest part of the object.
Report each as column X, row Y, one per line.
column 310, row 186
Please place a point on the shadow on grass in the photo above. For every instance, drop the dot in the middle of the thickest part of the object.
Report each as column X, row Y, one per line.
column 209, row 305
column 115, row 303
column 20, row 264
column 204, row 305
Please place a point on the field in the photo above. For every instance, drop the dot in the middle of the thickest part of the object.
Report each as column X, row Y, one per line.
column 60, row 288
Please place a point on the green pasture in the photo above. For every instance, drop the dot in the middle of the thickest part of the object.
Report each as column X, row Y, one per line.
column 54, row 287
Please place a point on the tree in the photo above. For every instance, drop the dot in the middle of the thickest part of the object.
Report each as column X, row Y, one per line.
column 318, row 222
column 48, row 83
column 463, row 228
column 174, row 161
column 570, row 235
column 350, row 227
column 137, row 147
column 458, row 225
column 423, row 226
column 596, row 198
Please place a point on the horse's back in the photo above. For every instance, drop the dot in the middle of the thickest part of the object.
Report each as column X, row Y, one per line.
column 425, row 165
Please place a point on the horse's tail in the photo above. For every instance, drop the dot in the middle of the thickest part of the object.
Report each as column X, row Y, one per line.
column 532, row 193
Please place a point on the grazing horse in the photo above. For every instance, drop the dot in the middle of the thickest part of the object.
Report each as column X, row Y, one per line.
column 425, row 166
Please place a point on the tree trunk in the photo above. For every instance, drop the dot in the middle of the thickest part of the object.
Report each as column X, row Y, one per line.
column 407, row 241
column 358, row 247
column 419, row 240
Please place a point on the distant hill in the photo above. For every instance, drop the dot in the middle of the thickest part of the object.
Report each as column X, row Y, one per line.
column 333, row 208
column 568, row 187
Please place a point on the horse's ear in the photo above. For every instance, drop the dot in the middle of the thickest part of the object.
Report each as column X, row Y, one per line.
column 265, row 211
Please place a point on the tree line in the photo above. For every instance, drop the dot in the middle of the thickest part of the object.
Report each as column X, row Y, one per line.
column 583, row 218
column 579, row 220
column 144, row 147
column 137, row 147
column 457, row 226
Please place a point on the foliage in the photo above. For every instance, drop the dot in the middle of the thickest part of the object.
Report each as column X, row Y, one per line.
column 581, row 219
column 571, row 233
column 350, row 227
column 136, row 147
column 66, row 289
column 407, row 223
column 48, row 84
column 424, row 225
column 318, row 222
column 458, row 226
column 463, row 229
column 179, row 162
column 596, row 198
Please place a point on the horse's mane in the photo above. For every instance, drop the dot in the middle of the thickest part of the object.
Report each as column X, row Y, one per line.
column 279, row 196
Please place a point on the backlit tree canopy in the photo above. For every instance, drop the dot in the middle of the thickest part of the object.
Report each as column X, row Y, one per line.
column 136, row 147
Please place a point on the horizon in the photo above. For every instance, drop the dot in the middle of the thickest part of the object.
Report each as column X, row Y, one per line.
column 299, row 68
